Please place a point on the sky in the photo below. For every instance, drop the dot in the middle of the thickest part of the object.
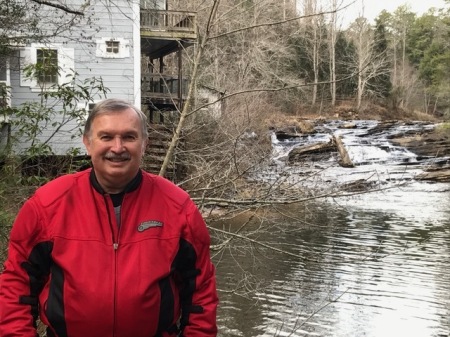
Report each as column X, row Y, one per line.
column 373, row 7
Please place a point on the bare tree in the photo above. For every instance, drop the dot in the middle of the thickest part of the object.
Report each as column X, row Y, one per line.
column 368, row 64
column 332, row 49
column 237, row 61
column 313, row 27
column 401, row 21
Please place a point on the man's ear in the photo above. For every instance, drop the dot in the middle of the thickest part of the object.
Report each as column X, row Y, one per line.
column 87, row 143
column 144, row 146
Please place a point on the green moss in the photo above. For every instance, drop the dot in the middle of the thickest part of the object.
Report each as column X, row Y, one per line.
column 443, row 127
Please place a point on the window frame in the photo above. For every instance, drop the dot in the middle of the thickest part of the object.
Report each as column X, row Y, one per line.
column 103, row 51
column 65, row 67
column 6, row 82
column 112, row 47
column 48, row 75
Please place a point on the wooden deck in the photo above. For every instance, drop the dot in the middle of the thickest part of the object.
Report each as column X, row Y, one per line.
column 163, row 88
column 168, row 24
column 163, row 83
column 163, row 33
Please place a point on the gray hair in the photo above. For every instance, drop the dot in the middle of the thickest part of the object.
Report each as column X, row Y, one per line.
column 114, row 105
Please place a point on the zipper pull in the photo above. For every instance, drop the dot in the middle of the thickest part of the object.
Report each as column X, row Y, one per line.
column 115, row 246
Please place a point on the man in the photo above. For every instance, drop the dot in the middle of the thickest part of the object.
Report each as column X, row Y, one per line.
column 110, row 251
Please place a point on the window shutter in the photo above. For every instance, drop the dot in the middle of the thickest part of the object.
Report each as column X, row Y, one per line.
column 124, row 48
column 27, row 57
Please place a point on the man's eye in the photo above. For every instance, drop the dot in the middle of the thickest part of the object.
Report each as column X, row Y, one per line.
column 129, row 138
column 105, row 138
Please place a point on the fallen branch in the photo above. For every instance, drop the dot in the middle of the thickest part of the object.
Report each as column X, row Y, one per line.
column 345, row 158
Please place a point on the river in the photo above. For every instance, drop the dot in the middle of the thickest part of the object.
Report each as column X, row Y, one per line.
column 374, row 264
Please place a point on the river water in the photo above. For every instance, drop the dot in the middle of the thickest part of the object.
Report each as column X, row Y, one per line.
column 374, row 264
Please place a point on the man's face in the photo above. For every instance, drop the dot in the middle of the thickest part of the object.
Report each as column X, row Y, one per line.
column 116, row 146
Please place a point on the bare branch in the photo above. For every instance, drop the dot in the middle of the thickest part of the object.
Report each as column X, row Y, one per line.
column 58, row 6
column 268, row 24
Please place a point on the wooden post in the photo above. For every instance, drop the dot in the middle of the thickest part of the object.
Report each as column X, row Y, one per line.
column 161, row 84
column 180, row 76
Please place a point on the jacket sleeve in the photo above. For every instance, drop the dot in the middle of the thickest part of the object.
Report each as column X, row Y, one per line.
column 25, row 272
column 199, row 295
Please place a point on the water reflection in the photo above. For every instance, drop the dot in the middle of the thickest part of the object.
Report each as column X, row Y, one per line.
column 376, row 265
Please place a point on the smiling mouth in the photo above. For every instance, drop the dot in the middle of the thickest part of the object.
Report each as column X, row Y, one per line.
column 117, row 159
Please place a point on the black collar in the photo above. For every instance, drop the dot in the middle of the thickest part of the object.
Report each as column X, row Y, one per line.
column 132, row 185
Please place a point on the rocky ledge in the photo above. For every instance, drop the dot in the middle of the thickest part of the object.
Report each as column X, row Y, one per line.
column 429, row 144
column 426, row 143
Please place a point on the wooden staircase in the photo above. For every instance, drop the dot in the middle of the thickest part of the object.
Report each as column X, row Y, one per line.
column 159, row 137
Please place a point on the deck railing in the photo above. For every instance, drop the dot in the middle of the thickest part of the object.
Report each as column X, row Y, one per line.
column 162, row 20
column 161, row 85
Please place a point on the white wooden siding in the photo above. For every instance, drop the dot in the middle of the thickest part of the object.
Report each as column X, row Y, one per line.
column 79, row 54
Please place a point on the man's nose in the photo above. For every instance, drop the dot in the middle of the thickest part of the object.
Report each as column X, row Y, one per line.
column 117, row 144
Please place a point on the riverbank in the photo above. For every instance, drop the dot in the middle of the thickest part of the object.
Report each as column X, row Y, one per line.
column 425, row 142
column 432, row 143
column 427, row 137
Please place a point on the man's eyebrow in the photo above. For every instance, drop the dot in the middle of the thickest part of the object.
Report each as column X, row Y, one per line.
column 126, row 132
column 131, row 132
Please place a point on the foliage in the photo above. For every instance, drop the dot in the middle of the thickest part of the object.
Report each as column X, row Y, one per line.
column 345, row 54
column 382, row 81
column 16, row 24
column 6, row 219
column 429, row 51
column 61, row 106
column 12, row 194
column 420, row 37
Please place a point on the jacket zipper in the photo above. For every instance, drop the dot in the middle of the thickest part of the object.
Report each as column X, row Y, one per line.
column 115, row 246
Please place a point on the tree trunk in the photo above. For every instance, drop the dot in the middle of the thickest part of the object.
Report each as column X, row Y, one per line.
column 187, row 106
column 345, row 158
column 332, row 48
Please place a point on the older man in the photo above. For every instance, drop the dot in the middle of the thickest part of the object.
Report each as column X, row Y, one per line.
column 110, row 251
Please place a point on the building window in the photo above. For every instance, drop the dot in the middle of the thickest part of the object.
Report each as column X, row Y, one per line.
column 112, row 47
column 47, row 66
column 90, row 107
column 53, row 63
column 85, row 109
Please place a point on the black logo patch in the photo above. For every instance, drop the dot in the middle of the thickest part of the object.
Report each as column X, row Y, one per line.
column 149, row 224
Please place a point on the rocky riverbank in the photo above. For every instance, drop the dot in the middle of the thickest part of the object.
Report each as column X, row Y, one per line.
column 431, row 144
column 429, row 141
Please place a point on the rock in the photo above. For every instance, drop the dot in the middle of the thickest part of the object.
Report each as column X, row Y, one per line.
column 314, row 152
column 437, row 175
column 430, row 144
column 306, row 127
column 358, row 185
column 282, row 135
column 348, row 126
column 383, row 127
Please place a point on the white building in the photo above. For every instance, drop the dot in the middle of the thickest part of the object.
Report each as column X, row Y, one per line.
column 109, row 42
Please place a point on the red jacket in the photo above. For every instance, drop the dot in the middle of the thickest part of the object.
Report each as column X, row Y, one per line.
column 86, row 276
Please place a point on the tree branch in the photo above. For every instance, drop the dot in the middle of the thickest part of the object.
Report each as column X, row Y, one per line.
column 268, row 24
column 58, row 6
